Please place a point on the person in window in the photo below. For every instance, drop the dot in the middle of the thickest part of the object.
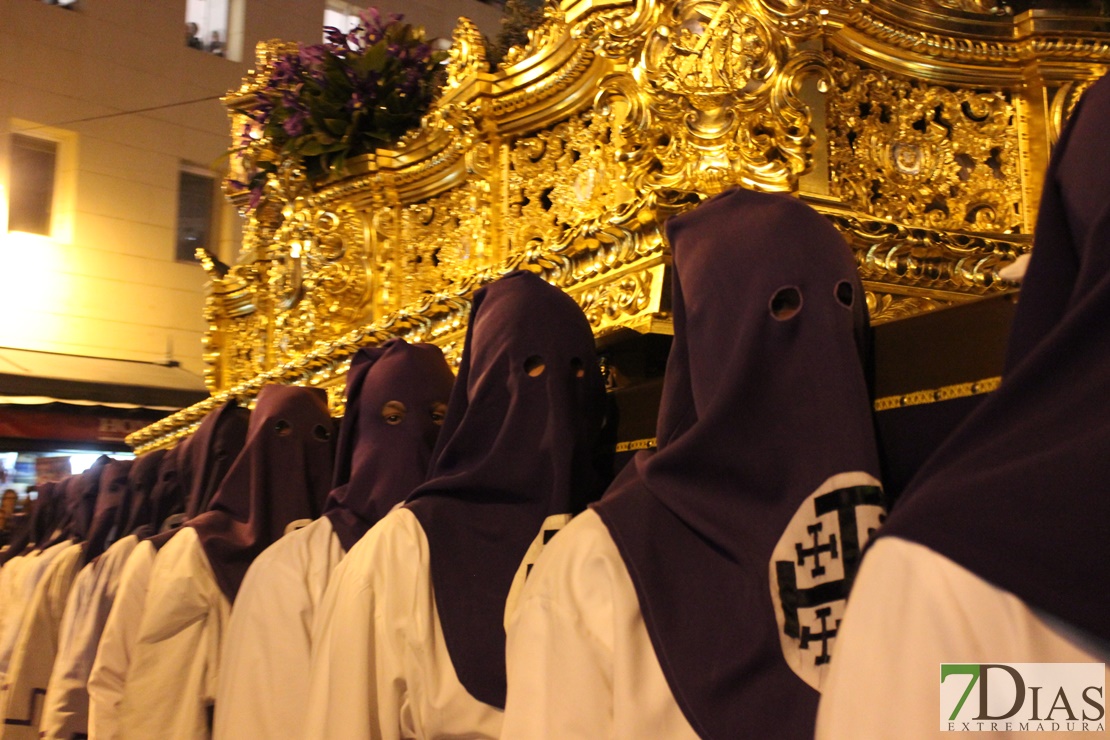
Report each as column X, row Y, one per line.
column 216, row 45
column 191, row 38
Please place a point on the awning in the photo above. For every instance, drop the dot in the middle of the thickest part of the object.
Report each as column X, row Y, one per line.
column 29, row 377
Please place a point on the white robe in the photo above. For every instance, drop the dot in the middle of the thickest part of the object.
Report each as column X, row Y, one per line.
column 66, row 709
column 265, row 664
column 35, row 649
column 10, row 581
column 579, row 659
column 171, row 684
column 21, row 587
column 117, row 643
column 910, row 610
column 380, row 666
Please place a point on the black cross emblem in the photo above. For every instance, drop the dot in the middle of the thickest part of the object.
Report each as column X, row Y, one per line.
column 824, row 635
column 815, row 551
column 846, row 547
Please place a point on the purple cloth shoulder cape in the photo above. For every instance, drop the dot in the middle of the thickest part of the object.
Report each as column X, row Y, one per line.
column 210, row 454
column 167, row 498
column 515, row 448
column 112, row 485
column 22, row 528
column 282, row 474
column 765, row 399
column 56, row 514
column 136, row 508
column 37, row 526
column 45, row 511
column 25, row 531
column 21, row 533
column 1018, row 493
column 380, row 460
column 81, row 495
column 202, row 463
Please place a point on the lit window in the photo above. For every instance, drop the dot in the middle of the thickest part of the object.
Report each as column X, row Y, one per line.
column 341, row 15
column 194, row 214
column 33, row 164
column 206, row 25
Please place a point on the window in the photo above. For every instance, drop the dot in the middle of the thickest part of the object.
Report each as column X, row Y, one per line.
column 206, row 25
column 194, row 214
column 33, row 165
column 341, row 15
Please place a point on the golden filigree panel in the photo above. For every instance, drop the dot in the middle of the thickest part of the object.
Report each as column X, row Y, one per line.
column 923, row 154
column 713, row 99
column 624, row 301
column 319, row 278
column 561, row 179
column 442, row 238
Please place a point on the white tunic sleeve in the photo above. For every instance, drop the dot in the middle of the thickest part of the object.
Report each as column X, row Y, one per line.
column 171, row 684
column 66, row 709
column 33, row 657
column 264, row 670
column 24, row 580
column 8, row 584
column 380, row 666
column 113, row 655
column 579, row 659
column 912, row 609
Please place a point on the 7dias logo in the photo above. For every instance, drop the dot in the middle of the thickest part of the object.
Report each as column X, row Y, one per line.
column 1022, row 697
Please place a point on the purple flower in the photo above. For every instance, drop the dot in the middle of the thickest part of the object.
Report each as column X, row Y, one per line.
column 286, row 70
column 370, row 17
column 294, row 125
column 312, row 86
column 334, row 36
column 411, row 83
column 311, row 56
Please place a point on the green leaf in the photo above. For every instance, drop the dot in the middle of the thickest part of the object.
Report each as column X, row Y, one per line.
column 312, row 148
column 376, row 57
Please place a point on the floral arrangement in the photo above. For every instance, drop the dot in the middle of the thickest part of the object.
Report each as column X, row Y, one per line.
column 328, row 102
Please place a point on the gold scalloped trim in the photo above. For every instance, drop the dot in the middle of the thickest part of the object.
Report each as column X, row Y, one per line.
column 944, row 393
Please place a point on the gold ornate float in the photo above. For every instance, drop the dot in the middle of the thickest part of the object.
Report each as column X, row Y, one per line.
column 920, row 128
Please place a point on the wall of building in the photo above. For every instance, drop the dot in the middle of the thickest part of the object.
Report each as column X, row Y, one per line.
column 129, row 104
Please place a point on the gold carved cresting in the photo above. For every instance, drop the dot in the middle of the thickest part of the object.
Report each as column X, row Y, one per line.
column 925, row 123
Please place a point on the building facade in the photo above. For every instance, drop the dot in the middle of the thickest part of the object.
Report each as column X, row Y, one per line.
column 113, row 147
